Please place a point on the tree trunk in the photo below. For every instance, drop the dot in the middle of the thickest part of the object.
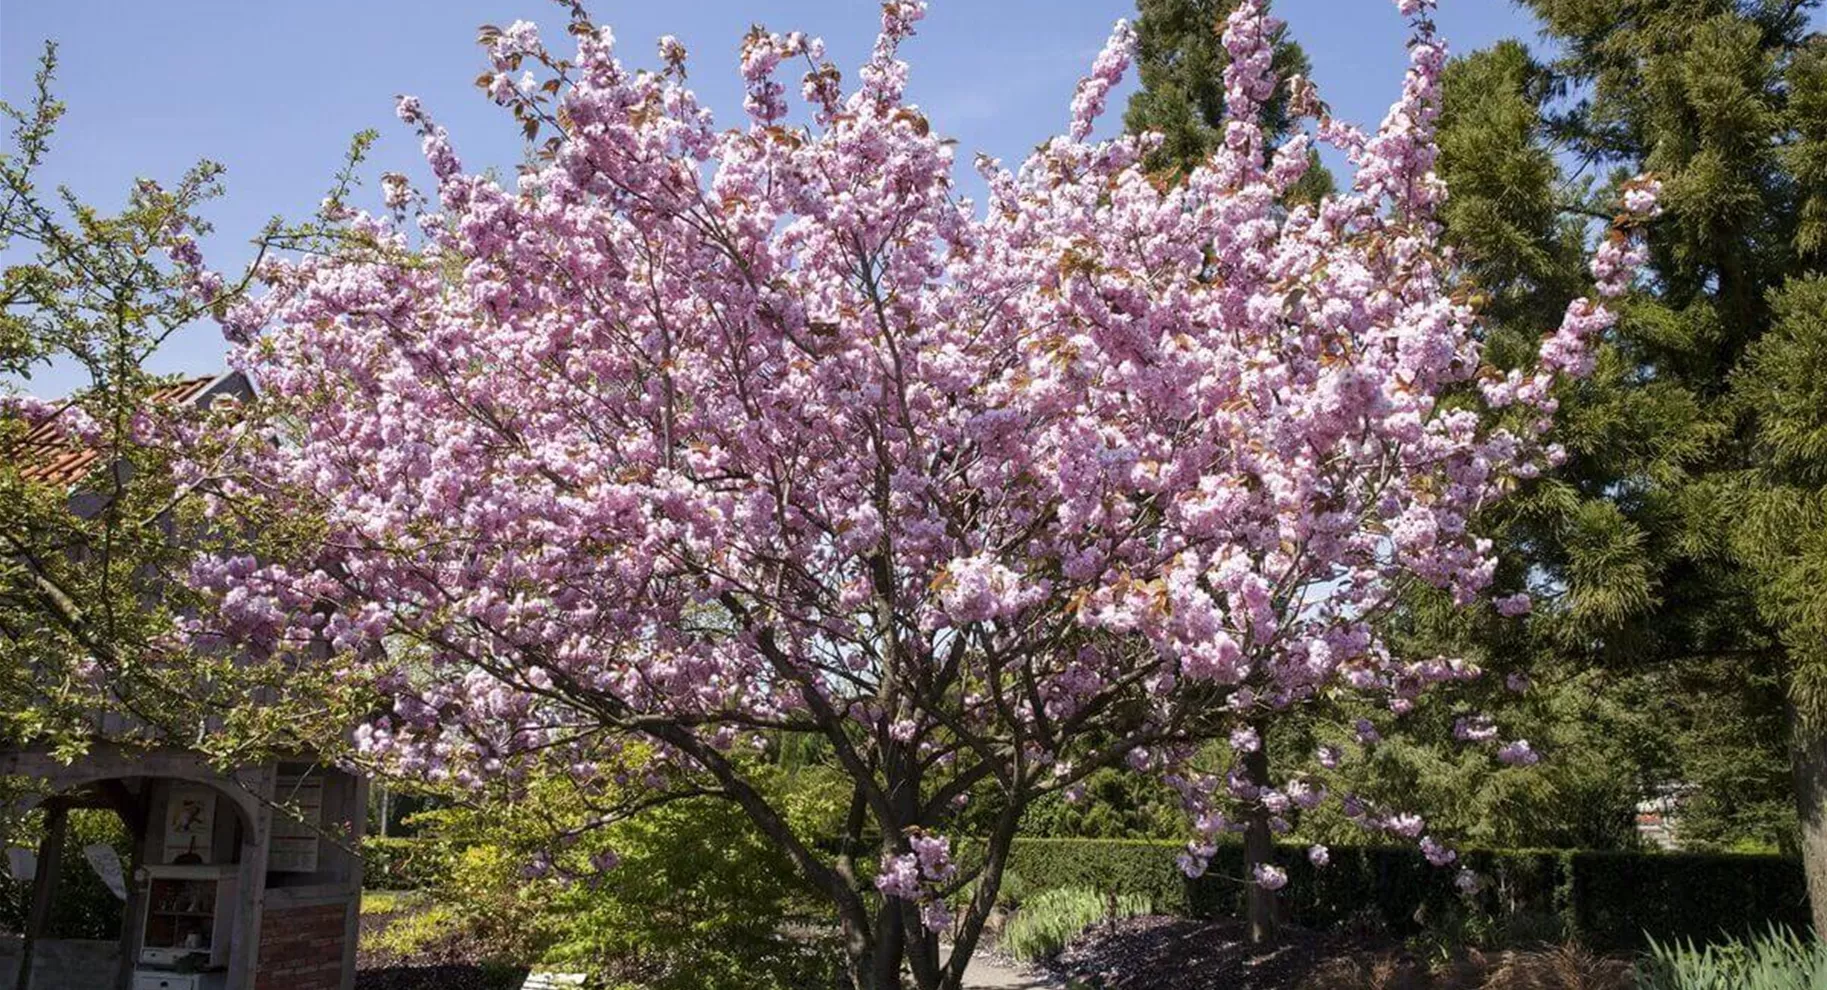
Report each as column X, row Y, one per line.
column 1258, row 849
column 983, row 900
column 897, row 945
column 1809, row 764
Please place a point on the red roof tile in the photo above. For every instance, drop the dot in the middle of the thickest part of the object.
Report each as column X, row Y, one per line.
column 44, row 455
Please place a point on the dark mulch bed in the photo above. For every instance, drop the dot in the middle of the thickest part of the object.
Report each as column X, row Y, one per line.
column 458, row 976
column 449, row 963
column 1162, row 953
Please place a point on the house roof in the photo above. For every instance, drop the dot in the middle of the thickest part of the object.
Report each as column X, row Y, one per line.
column 47, row 456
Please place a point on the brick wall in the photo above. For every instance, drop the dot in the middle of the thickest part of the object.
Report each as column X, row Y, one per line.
column 301, row 948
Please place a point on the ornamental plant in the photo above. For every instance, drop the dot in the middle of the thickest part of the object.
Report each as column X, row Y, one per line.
column 697, row 444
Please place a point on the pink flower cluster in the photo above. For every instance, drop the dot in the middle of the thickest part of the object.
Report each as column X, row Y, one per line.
column 917, row 875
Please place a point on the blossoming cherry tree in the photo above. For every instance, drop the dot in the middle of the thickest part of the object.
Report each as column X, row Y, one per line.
column 690, row 441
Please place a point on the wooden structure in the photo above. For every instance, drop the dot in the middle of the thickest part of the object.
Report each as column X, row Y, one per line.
column 227, row 888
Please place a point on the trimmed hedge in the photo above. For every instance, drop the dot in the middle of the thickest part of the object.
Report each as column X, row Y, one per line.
column 1608, row 900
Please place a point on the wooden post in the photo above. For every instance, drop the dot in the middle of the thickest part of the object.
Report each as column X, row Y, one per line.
column 132, row 917
column 44, row 886
column 136, row 815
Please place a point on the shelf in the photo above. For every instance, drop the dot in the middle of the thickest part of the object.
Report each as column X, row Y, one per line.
column 198, row 872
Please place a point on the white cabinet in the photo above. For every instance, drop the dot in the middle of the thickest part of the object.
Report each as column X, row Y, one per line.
column 152, row 979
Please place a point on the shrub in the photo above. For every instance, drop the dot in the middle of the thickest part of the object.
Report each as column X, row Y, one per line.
column 411, row 930
column 83, row 906
column 403, row 864
column 387, row 903
column 1607, row 900
column 1779, row 959
column 1047, row 921
column 699, row 899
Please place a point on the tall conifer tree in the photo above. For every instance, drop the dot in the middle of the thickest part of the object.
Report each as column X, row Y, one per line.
column 1671, row 551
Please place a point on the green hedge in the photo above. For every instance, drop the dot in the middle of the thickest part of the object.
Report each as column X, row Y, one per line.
column 1608, row 900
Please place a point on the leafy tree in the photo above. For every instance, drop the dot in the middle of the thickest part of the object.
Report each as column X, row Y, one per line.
column 92, row 570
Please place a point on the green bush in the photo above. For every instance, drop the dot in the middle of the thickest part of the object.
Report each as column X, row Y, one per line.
column 1607, row 900
column 403, row 864
column 1047, row 921
column 698, row 900
column 1777, row 960
column 1126, row 866
column 82, row 906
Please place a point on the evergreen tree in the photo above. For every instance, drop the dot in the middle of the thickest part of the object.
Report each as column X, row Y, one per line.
column 1675, row 556
column 1670, row 554
column 1180, row 59
column 1781, row 534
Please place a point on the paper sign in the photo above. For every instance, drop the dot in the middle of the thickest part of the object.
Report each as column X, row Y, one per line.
column 295, row 825
column 107, row 864
column 190, row 821
column 22, row 863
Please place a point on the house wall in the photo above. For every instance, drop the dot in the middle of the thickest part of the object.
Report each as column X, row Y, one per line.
column 310, row 922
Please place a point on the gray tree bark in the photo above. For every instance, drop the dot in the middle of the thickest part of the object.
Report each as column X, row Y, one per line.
column 1258, row 848
column 1809, row 765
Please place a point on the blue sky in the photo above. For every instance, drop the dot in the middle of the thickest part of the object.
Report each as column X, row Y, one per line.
column 274, row 90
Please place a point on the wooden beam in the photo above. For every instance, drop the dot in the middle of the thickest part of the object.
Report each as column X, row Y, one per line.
column 131, row 807
column 44, row 886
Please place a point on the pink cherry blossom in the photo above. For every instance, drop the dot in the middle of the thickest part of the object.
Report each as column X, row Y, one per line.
column 1519, row 753
column 1269, row 876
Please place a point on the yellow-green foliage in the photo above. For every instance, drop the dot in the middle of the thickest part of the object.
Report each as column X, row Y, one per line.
column 1777, row 960
column 386, row 903
column 1047, row 921
column 699, row 898
column 409, row 932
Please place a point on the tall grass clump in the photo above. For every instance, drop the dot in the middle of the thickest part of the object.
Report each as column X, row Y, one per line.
column 1779, row 959
column 1050, row 919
